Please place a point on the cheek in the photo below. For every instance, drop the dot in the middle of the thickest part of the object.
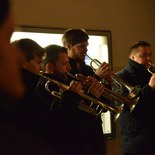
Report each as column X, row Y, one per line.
column 139, row 61
column 58, row 68
column 33, row 67
column 37, row 68
column 76, row 51
column 142, row 61
column 63, row 68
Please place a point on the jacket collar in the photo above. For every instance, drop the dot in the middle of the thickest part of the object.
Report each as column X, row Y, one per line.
column 136, row 66
column 138, row 71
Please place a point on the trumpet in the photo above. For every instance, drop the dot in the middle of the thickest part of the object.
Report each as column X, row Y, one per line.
column 88, row 108
column 109, row 94
column 133, row 91
column 151, row 68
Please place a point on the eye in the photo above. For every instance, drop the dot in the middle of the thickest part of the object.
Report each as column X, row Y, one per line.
column 143, row 55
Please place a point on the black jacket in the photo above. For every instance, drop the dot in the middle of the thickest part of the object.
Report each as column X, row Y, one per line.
column 84, row 69
column 136, row 128
column 74, row 131
column 26, row 123
column 92, row 139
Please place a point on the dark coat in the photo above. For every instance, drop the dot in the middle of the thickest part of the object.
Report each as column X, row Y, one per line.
column 84, row 69
column 55, row 126
column 76, row 132
column 136, row 128
column 25, row 124
column 92, row 137
column 73, row 131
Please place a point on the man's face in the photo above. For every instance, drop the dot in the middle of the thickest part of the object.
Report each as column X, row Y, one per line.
column 10, row 78
column 143, row 56
column 62, row 65
column 78, row 51
column 34, row 65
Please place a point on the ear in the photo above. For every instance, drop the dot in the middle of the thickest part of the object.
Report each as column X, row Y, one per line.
column 68, row 46
column 132, row 56
column 49, row 68
column 26, row 64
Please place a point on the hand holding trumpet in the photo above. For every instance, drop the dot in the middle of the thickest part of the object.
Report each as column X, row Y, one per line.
column 103, row 71
column 75, row 87
column 114, row 110
column 152, row 82
column 95, row 88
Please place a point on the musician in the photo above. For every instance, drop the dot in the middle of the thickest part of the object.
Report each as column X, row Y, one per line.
column 31, row 113
column 11, row 85
column 55, row 66
column 136, row 128
column 9, row 56
column 76, row 42
column 14, row 139
column 80, row 135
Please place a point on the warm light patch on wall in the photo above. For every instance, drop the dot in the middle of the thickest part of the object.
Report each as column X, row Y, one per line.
column 97, row 48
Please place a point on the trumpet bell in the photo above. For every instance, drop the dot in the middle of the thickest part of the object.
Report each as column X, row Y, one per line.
column 110, row 95
column 133, row 91
column 132, row 106
column 117, row 81
column 119, row 110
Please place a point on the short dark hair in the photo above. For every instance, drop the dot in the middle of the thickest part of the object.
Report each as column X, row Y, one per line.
column 52, row 54
column 74, row 36
column 138, row 44
column 4, row 9
column 30, row 48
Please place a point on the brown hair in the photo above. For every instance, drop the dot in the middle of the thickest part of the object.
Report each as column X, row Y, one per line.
column 74, row 36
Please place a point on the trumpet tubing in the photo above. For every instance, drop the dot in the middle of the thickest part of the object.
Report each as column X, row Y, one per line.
column 98, row 63
column 109, row 94
column 133, row 91
column 114, row 110
column 151, row 68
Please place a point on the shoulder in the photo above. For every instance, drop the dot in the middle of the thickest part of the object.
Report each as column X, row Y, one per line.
column 88, row 67
column 87, row 70
column 122, row 73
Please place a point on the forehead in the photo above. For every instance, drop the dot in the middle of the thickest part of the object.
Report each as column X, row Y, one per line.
column 36, row 57
column 145, row 49
column 84, row 43
column 62, row 56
